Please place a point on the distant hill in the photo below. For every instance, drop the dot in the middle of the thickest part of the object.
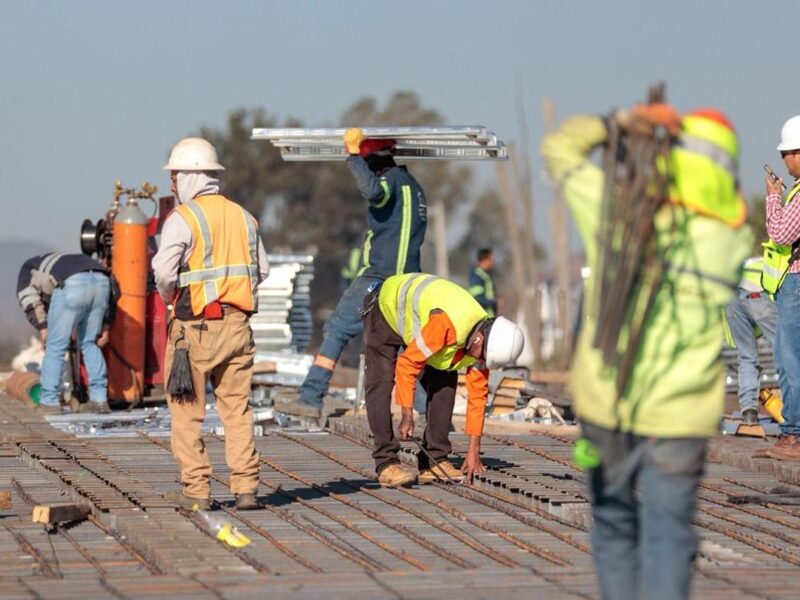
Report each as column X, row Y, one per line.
column 14, row 327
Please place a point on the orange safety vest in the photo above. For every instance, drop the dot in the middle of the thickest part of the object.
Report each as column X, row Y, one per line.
column 223, row 265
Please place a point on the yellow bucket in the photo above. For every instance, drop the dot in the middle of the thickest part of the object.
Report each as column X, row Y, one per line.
column 771, row 401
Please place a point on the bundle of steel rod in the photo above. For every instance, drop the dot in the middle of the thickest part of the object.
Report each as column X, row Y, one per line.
column 630, row 274
column 431, row 143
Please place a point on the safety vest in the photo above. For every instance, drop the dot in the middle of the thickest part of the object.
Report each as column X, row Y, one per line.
column 406, row 302
column 777, row 257
column 487, row 289
column 704, row 166
column 223, row 264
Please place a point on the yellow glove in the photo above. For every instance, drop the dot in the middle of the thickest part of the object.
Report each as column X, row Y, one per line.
column 352, row 139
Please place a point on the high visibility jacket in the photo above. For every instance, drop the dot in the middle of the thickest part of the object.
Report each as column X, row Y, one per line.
column 481, row 286
column 396, row 220
column 223, row 264
column 750, row 282
column 777, row 257
column 407, row 301
column 677, row 383
column 704, row 170
column 435, row 318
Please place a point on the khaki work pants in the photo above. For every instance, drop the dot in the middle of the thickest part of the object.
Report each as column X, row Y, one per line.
column 221, row 350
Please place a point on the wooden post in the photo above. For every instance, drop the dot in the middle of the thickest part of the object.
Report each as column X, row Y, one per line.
column 520, row 271
column 561, row 259
column 439, row 218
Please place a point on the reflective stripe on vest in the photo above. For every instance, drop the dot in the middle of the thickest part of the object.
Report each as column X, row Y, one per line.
column 407, row 301
column 405, row 231
column 777, row 257
column 229, row 273
column 753, row 267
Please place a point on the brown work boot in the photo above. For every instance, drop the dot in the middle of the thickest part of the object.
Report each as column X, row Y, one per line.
column 396, row 475
column 441, row 472
column 96, row 408
column 189, row 502
column 786, row 448
column 247, row 501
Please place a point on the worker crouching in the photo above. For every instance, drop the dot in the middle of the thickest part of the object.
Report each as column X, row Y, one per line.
column 441, row 330
column 209, row 264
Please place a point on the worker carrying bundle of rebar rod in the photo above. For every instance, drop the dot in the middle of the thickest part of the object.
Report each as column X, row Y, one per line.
column 663, row 227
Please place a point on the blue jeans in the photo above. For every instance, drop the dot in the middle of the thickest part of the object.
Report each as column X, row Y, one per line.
column 342, row 326
column 744, row 314
column 79, row 305
column 787, row 351
column 644, row 548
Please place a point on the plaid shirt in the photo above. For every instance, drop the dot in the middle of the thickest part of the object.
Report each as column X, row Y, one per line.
column 783, row 223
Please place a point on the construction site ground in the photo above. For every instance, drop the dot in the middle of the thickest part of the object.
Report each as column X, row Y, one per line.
column 327, row 530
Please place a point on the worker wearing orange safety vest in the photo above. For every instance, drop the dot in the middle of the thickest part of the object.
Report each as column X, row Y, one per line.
column 208, row 266
column 442, row 329
column 653, row 435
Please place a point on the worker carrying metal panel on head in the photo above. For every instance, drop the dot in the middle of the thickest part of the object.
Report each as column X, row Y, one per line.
column 208, row 266
column 650, row 428
column 396, row 224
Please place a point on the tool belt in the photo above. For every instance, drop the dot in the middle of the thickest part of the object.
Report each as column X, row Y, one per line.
column 216, row 310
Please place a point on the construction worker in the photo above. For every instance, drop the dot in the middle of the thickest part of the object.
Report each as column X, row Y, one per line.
column 441, row 329
column 209, row 263
column 396, row 222
column 653, row 435
column 782, row 277
column 61, row 294
column 751, row 314
column 481, row 282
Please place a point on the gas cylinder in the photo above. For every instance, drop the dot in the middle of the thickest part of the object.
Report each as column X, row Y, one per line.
column 126, row 355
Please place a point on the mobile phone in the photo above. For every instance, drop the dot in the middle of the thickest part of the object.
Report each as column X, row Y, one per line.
column 773, row 176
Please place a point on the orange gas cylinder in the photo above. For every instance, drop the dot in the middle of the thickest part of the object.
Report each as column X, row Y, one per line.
column 126, row 355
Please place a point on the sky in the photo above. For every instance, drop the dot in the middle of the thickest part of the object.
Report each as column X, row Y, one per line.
column 94, row 91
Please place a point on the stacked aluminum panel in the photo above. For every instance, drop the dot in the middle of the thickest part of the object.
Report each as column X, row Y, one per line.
column 473, row 142
column 284, row 321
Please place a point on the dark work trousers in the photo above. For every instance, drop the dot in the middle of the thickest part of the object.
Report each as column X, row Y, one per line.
column 381, row 346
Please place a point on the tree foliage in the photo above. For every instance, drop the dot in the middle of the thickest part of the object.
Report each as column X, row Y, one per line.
column 316, row 207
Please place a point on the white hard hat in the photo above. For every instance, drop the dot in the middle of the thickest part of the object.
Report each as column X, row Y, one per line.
column 790, row 135
column 504, row 344
column 193, row 154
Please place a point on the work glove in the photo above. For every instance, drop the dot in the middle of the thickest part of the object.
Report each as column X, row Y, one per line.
column 659, row 113
column 352, row 139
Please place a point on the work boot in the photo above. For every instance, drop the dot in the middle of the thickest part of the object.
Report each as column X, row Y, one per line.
column 396, row 475
column 786, row 448
column 97, row 408
column 47, row 409
column 750, row 416
column 247, row 501
column 440, row 472
column 297, row 408
column 188, row 502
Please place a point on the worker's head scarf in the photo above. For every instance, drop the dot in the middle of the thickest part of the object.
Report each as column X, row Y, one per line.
column 192, row 184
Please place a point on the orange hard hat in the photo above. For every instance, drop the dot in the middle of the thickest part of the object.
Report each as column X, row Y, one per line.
column 712, row 114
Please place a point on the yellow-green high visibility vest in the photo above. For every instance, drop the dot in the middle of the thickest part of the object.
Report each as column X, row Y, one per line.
column 704, row 167
column 406, row 302
column 777, row 257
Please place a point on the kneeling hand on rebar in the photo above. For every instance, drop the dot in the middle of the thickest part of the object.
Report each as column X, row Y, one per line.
column 405, row 430
column 472, row 461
